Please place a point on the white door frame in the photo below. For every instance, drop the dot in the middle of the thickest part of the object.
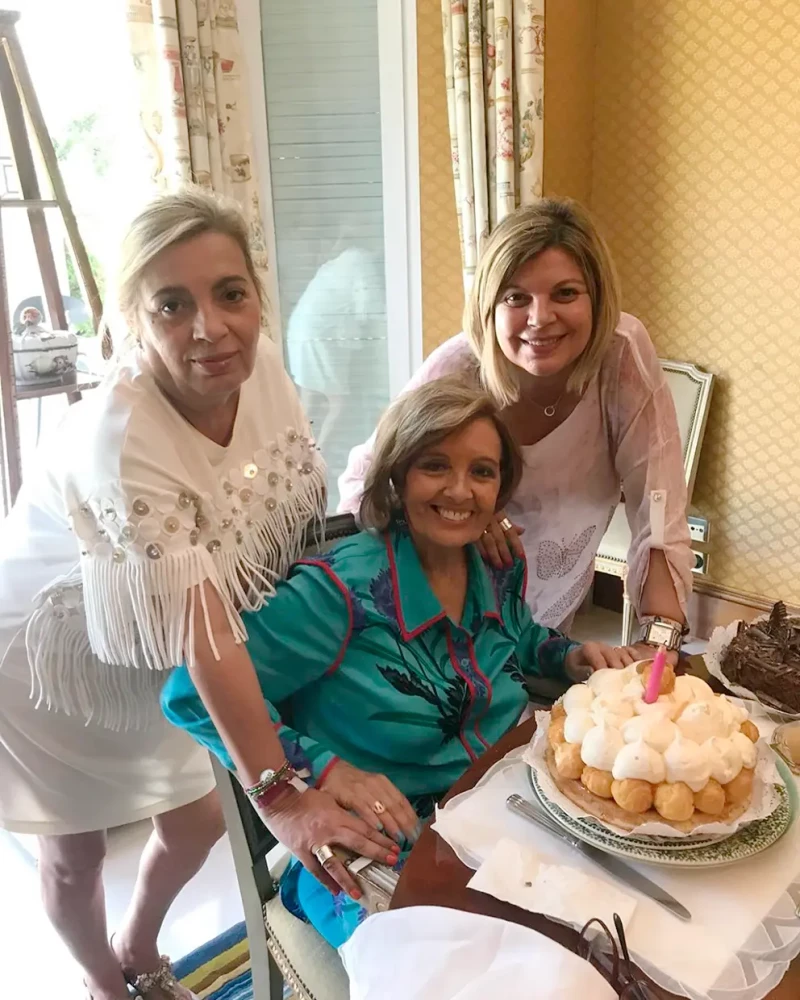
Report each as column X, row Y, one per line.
column 397, row 61
column 397, row 56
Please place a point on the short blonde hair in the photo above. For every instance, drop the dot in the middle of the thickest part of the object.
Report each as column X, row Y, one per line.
column 417, row 420
column 552, row 222
column 170, row 219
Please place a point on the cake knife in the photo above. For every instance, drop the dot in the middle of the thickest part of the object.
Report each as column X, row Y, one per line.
column 618, row 869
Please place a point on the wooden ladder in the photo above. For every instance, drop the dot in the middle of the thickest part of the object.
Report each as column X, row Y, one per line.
column 22, row 111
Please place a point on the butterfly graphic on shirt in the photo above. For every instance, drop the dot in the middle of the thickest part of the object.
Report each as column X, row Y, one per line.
column 554, row 560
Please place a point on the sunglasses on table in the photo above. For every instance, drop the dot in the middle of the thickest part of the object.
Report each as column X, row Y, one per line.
column 610, row 956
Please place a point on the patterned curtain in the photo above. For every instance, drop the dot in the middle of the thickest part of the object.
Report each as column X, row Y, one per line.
column 494, row 67
column 193, row 101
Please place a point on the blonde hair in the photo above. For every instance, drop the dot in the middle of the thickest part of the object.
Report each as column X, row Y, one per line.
column 551, row 223
column 417, row 420
column 170, row 219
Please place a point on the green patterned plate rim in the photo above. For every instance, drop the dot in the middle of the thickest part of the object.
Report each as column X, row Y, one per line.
column 745, row 843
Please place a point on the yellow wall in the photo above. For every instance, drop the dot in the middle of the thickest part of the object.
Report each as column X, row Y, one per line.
column 695, row 179
column 442, row 287
column 570, row 27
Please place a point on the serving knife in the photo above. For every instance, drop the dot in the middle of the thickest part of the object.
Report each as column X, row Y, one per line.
column 618, row 869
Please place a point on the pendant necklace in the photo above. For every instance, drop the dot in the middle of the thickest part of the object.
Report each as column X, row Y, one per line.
column 548, row 411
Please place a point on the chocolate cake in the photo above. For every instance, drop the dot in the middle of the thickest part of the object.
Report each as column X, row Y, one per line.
column 765, row 658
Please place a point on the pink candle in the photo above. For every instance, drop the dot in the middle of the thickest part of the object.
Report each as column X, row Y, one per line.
column 654, row 681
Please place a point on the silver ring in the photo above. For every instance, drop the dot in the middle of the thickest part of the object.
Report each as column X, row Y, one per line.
column 378, row 807
column 323, row 854
column 505, row 524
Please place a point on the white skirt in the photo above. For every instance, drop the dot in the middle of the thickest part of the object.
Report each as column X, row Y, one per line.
column 59, row 775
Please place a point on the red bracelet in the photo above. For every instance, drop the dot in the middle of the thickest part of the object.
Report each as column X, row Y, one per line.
column 266, row 797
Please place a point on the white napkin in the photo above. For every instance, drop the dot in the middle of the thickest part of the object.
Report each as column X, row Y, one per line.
column 518, row 874
column 432, row 953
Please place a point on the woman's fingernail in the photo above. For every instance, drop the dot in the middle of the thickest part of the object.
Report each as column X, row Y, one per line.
column 392, row 858
column 355, row 894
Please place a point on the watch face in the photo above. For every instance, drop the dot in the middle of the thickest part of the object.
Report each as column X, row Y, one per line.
column 661, row 634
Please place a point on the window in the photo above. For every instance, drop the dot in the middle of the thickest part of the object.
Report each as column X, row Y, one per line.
column 334, row 137
column 82, row 75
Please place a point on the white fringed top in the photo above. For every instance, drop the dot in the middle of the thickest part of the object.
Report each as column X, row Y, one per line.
column 128, row 510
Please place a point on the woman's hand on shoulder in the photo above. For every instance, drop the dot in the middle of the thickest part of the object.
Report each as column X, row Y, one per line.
column 499, row 544
column 585, row 659
column 305, row 822
column 374, row 798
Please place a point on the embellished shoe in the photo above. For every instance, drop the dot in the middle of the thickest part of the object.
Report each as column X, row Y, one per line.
column 159, row 985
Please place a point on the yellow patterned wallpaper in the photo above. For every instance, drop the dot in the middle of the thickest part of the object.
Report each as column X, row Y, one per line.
column 695, row 179
column 570, row 27
column 442, row 287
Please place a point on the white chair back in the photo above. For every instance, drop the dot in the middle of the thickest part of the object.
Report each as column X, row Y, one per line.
column 691, row 391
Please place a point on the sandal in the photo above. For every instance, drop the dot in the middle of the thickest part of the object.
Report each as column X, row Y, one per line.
column 159, row 985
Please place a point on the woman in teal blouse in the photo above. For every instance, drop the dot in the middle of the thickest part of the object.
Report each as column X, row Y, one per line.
column 393, row 661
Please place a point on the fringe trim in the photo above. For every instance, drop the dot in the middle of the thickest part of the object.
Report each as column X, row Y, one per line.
column 108, row 666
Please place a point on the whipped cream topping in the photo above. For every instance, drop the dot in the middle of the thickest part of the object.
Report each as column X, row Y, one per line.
column 688, row 762
column 701, row 721
column 607, row 682
column 688, row 689
column 639, row 762
column 725, row 759
column 578, row 698
column 577, row 725
column 664, row 706
column 633, row 689
column 746, row 748
column 600, row 747
column 731, row 715
column 656, row 730
column 611, row 709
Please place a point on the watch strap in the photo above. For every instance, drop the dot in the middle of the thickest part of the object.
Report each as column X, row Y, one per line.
column 653, row 628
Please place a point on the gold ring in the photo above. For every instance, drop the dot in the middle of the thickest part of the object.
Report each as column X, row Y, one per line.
column 378, row 808
column 323, row 854
column 505, row 524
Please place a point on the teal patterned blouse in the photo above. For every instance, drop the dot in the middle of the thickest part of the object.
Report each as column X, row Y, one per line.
column 357, row 659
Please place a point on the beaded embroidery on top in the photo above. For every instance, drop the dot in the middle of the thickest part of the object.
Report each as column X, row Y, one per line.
column 138, row 582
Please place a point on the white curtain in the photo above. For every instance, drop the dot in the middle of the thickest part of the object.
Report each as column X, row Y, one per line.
column 494, row 68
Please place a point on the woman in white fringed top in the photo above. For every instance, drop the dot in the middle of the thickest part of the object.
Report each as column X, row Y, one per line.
column 171, row 499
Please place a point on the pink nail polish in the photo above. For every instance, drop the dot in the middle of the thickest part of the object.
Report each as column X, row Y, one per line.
column 355, row 894
column 392, row 858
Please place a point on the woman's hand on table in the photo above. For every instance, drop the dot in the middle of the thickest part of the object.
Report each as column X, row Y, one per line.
column 499, row 545
column 584, row 660
column 305, row 822
column 374, row 798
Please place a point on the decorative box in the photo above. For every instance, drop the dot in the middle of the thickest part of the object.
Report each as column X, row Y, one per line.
column 42, row 355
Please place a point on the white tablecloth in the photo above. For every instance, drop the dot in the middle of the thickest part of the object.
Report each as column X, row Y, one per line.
column 744, row 932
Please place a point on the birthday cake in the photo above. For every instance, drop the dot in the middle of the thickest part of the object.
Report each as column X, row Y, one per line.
column 685, row 758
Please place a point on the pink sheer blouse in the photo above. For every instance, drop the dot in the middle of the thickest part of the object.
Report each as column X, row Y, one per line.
column 622, row 436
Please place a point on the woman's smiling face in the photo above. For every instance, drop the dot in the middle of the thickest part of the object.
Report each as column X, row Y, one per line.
column 543, row 317
column 451, row 489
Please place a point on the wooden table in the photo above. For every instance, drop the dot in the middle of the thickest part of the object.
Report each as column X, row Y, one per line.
column 433, row 875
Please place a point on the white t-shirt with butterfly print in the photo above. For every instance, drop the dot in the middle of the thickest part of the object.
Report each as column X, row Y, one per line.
column 622, row 436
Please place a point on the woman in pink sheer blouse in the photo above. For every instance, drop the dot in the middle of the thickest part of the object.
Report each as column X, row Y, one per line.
column 584, row 394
